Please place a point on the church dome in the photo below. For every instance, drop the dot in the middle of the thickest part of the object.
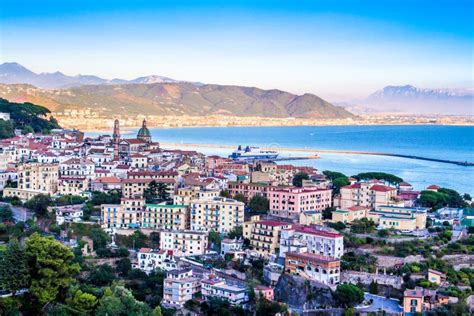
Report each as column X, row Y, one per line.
column 144, row 132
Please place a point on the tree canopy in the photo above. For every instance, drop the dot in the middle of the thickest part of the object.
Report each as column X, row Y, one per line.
column 348, row 295
column 443, row 197
column 390, row 178
column 259, row 204
column 299, row 177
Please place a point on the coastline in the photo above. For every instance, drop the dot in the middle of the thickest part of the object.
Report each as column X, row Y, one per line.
column 131, row 129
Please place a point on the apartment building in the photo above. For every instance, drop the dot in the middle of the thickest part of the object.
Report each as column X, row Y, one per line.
column 34, row 179
column 185, row 195
column 135, row 187
column 399, row 218
column 216, row 214
column 249, row 190
column 165, row 216
column 151, row 259
column 74, row 185
column 235, row 295
column 265, row 236
column 184, row 242
column 314, row 267
column 77, row 167
column 180, row 286
column 311, row 239
column 291, row 202
column 127, row 214
column 368, row 194
column 350, row 214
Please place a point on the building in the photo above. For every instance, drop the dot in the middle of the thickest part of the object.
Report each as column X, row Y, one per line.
column 165, row 216
column 231, row 246
column 311, row 239
column 77, row 167
column 265, row 292
column 436, row 277
column 265, row 236
column 4, row 116
column 72, row 185
column 350, row 214
column 218, row 214
column 314, row 267
column 67, row 213
column 180, row 286
column 249, row 190
column 420, row 300
column 186, row 195
column 215, row 287
column 310, row 218
column 369, row 194
column 184, row 242
column 144, row 133
column 150, row 259
column 127, row 214
column 34, row 179
column 291, row 202
column 399, row 218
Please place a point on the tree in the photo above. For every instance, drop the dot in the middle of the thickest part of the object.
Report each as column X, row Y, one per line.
column 6, row 214
column 6, row 129
column 119, row 301
column 387, row 177
column 374, row 287
column 236, row 232
column 338, row 183
column 156, row 192
column 14, row 272
column 39, row 204
column 51, row 267
column 299, row 177
column 348, row 295
column 327, row 212
column 240, row 197
column 123, row 266
column 83, row 302
column 259, row 204
column 225, row 193
column 99, row 238
column 467, row 197
column 102, row 275
column 332, row 175
column 215, row 240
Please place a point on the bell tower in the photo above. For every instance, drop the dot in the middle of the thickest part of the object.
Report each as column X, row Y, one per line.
column 116, row 139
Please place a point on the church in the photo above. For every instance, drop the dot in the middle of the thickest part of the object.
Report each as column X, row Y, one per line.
column 124, row 147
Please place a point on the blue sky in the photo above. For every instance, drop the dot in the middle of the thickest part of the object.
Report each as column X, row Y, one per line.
column 336, row 49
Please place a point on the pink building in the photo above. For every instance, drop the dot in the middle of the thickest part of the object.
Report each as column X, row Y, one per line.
column 264, row 291
column 290, row 202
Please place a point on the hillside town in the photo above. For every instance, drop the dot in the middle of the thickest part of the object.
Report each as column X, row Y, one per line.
column 182, row 233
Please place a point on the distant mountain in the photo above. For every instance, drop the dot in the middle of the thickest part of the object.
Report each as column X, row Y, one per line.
column 12, row 73
column 177, row 98
column 410, row 99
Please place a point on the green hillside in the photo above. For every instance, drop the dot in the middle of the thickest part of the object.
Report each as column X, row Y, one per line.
column 179, row 99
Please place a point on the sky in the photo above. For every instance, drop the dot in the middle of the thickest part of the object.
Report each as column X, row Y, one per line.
column 339, row 50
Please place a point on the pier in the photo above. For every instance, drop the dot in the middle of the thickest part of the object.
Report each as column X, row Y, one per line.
column 333, row 151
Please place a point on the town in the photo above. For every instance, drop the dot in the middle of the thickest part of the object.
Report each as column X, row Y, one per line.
column 112, row 225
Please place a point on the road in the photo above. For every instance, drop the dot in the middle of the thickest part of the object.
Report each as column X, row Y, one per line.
column 380, row 303
column 19, row 213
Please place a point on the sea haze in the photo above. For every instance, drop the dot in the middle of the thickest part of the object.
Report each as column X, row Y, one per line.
column 433, row 141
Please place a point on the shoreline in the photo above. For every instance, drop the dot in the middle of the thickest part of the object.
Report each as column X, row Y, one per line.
column 131, row 129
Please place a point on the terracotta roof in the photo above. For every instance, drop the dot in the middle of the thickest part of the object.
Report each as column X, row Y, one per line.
column 433, row 187
column 382, row 188
column 317, row 232
column 311, row 256
column 272, row 223
column 110, row 179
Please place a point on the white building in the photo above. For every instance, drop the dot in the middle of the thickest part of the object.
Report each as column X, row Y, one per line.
column 180, row 286
column 312, row 240
column 216, row 287
column 217, row 214
column 184, row 242
column 231, row 246
column 150, row 260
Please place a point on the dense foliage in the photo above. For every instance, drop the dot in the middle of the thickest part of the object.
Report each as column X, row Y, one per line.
column 387, row 177
column 299, row 177
column 442, row 197
column 25, row 116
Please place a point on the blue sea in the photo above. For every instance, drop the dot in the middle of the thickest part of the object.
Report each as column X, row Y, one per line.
column 433, row 141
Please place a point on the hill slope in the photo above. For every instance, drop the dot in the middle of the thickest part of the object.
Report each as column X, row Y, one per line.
column 179, row 98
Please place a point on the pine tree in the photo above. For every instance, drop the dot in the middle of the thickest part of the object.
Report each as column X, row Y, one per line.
column 14, row 273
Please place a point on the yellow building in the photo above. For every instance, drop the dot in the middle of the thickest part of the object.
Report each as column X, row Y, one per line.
column 34, row 179
column 217, row 214
column 349, row 215
column 310, row 218
column 165, row 216
column 135, row 187
column 123, row 215
column 436, row 277
column 265, row 236
column 399, row 218
column 184, row 196
column 73, row 185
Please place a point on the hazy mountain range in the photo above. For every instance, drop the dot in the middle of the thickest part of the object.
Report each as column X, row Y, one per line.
column 410, row 99
column 11, row 73
column 161, row 95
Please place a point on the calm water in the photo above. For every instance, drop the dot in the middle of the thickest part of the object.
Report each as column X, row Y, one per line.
column 444, row 142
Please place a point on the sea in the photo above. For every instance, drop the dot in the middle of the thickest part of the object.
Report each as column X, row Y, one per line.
column 432, row 141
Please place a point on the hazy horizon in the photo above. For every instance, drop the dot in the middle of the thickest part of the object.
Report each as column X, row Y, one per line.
column 337, row 51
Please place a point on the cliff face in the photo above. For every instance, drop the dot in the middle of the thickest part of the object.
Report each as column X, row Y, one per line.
column 300, row 294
